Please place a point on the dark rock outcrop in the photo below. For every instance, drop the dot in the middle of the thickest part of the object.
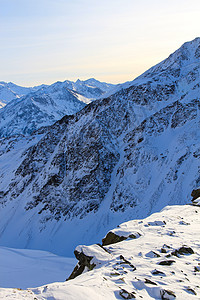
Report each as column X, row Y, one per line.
column 84, row 262
column 167, row 294
column 166, row 262
column 182, row 251
column 126, row 295
column 195, row 194
column 112, row 238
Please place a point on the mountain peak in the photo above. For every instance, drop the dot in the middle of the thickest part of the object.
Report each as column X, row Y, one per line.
column 179, row 64
column 91, row 80
column 189, row 51
column 195, row 41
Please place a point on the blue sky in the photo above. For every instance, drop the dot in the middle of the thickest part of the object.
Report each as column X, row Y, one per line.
column 43, row 41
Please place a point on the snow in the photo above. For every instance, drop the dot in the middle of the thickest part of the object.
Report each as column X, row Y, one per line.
column 114, row 275
column 22, row 268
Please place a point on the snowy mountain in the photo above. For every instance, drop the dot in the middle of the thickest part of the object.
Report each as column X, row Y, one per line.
column 119, row 158
column 153, row 258
column 47, row 104
column 10, row 91
column 90, row 88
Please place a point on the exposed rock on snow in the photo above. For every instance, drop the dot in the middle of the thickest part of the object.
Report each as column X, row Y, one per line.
column 183, row 251
column 118, row 236
column 167, row 294
column 86, row 262
column 196, row 202
column 195, row 194
column 166, row 262
column 196, row 197
column 112, row 238
column 181, row 278
column 127, row 271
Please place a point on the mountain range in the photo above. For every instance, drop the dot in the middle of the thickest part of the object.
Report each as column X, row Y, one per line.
column 118, row 158
column 28, row 109
column 10, row 91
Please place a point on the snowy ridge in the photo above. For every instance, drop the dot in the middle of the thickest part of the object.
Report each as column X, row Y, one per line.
column 184, row 61
column 10, row 91
column 91, row 89
column 162, row 263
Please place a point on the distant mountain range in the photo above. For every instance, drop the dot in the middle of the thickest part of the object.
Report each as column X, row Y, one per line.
column 10, row 91
column 32, row 108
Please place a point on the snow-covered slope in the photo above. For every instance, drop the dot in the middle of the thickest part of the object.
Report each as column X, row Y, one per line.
column 119, row 158
column 23, row 269
column 158, row 259
column 47, row 104
column 38, row 109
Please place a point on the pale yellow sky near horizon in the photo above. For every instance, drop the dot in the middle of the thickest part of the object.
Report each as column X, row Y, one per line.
column 44, row 41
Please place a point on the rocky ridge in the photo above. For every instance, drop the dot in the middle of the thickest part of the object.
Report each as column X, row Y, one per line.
column 162, row 262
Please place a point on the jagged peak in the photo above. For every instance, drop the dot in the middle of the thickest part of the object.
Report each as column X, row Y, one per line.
column 195, row 42
column 188, row 54
column 189, row 51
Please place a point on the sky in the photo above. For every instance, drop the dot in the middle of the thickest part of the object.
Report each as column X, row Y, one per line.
column 44, row 41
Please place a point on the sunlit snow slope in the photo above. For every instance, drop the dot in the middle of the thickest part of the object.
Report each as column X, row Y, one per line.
column 161, row 262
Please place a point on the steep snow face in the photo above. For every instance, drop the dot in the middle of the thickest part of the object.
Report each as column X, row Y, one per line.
column 47, row 104
column 159, row 259
column 119, row 158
